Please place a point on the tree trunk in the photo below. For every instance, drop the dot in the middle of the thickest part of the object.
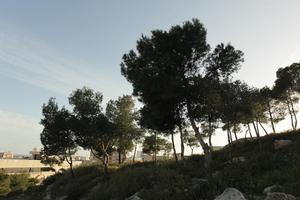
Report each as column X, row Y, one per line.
column 271, row 117
column 262, row 127
column 105, row 163
column 174, row 149
column 209, row 133
column 209, row 141
column 70, row 162
column 192, row 149
column 234, row 131
column 181, row 141
column 155, row 151
column 119, row 157
column 246, row 133
column 294, row 113
column 255, row 129
column 134, row 153
column 290, row 112
column 228, row 137
column 249, row 131
column 205, row 147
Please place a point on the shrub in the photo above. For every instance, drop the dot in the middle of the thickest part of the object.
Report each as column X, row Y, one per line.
column 4, row 184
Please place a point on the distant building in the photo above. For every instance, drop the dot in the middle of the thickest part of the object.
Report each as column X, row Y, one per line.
column 6, row 155
column 35, row 154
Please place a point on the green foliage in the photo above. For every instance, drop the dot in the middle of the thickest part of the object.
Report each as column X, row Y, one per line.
column 57, row 137
column 4, row 184
column 93, row 129
column 21, row 182
column 154, row 144
column 124, row 116
column 169, row 73
column 12, row 185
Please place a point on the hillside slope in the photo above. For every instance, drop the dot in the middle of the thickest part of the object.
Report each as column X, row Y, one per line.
column 248, row 165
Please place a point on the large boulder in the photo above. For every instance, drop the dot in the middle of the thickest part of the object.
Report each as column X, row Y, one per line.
column 231, row 194
column 273, row 188
column 279, row 196
column 278, row 144
column 134, row 197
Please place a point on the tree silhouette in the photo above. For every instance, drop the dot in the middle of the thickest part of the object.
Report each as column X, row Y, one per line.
column 168, row 71
column 58, row 138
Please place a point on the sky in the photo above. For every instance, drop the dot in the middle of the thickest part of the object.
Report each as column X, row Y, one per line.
column 49, row 48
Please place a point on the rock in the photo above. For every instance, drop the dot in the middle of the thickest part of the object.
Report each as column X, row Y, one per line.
column 134, row 197
column 272, row 188
column 231, row 194
column 278, row 144
column 279, row 196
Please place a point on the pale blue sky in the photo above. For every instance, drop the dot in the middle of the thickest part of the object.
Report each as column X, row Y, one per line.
column 49, row 48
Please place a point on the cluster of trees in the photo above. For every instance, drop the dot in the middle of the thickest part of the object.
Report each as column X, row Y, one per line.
column 185, row 86
column 183, row 82
column 89, row 127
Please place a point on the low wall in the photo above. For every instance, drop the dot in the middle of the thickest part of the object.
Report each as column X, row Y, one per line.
column 33, row 167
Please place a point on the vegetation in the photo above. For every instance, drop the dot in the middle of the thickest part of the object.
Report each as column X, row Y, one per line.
column 184, row 86
column 186, row 180
column 12, row 185
column 57, row 136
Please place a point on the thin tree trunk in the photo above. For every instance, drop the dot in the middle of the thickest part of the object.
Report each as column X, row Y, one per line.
column 294, row 113
column 271, row 117
column 105, row 163
column 192, row 149
column 70, row 162
column 205, row 147
column 155, row 151
column 210, row 141
column 181, row 141
column 255, row 129
column 228, row 137
column 209, row 133
column 103, row 159
column 234, row 132
column 246, row 133
column 249, row 131
column 290, row 112
column 262, row 127
column 119, row 157
column 174, row 149
column 134, row 153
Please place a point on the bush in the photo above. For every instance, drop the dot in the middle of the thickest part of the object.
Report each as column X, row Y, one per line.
column 4, row 185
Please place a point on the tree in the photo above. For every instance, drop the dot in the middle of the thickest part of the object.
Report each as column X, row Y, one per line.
column 168, row 71
column 190, row 140
column 287, row 85
column 57, row 137
column 153, row 145
column 93, row 130
column 123, row 114
column 275, row 109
